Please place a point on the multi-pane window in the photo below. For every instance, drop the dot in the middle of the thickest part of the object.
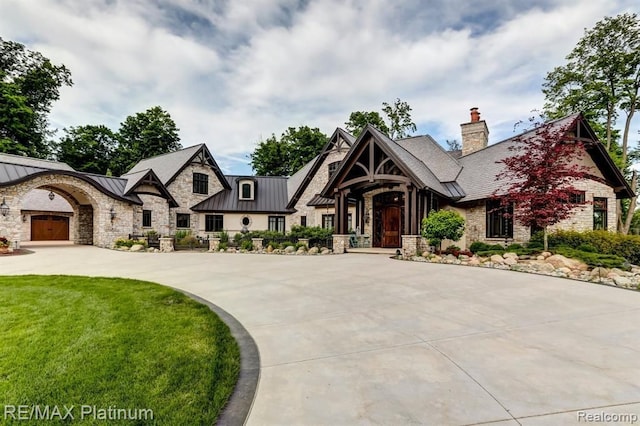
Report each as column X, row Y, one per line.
column 276, row 223
column 599, row 213
column 498, row 224
column 183, row 220
column 146, row 218
column 213, row 223
column 577, row 198
column 333, row 167
column 200, row 183
column 327, row 221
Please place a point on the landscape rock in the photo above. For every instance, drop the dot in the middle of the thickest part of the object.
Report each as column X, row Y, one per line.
column 474, row 261
column 545, row 254
column 136, row 247
column 463, row 257
column 510, row 261
column 540, row 257
column 289, row 249
column 560, row 261
column 510, row 255
column 622, row 281
column 599, row 272
column 325, row 251
column 270, row 249
column 496, row 258
column 314, row 250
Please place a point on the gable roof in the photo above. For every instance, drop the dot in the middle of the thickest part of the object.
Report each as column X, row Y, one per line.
column 270, row 196
column 168, row 166
column 33, row 162
column 301, row 179
column 441, row 163
column 148, row 177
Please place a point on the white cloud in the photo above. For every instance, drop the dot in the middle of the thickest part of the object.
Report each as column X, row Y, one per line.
column 232, row 73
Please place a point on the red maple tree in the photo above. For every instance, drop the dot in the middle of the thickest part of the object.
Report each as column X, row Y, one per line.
column 540, row 175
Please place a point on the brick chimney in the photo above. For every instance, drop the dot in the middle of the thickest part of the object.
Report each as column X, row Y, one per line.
column 475, row 134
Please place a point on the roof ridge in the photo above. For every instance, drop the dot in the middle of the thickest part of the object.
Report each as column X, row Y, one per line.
column 32, row 158
column 172, row 152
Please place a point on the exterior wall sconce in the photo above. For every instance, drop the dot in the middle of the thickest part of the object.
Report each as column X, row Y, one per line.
column 4, row 208
column 367, row 217
column 24, row 217
column 51, row 195
column 112, row 212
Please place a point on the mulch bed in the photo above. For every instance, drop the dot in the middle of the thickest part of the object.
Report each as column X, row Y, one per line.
column 17, row 252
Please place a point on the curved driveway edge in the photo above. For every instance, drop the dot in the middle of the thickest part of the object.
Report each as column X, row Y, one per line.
column 236, row 412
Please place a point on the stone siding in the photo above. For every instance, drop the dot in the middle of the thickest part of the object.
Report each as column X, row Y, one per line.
column 160, row 218
column 317, row 184
column 182, row 191
column 475, row 136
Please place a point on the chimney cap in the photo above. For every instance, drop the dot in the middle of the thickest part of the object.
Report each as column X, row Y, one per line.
column 475, row 115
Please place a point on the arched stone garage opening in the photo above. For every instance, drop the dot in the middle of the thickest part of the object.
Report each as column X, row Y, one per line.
column 100, row 216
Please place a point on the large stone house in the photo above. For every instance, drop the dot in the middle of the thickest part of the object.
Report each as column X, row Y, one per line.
column 373, row 186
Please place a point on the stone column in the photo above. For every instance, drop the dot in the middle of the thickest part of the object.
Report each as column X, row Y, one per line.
column 304, row 241
column 85, row 224
column 257, row 243
column 340, row 243
column 214, row 243
column 410, row 245
column 166, row 244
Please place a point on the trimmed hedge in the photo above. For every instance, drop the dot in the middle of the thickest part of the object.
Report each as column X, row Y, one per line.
column 602, row 242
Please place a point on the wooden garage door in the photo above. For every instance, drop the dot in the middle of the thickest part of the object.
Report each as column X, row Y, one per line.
column 46, row 228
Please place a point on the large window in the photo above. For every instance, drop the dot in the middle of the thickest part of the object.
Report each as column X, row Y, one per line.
column 327, row 221
column 146, row 218
column 183, row 220
column 276, row 223
column 499, row 226
column 200, row 183
column 600, row 213
column 213, row 223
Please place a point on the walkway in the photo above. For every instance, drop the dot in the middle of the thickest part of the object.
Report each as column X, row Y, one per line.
column 363, row 339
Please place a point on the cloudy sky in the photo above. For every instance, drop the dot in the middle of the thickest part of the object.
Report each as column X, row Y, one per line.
column 231, row 73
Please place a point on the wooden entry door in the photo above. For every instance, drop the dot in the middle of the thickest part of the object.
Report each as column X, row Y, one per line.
column 48, row 228
column 391, row 226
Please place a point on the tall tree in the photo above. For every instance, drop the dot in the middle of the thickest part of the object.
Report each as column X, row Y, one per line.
column 29, row 84
column 602, row 78
column 144, row 135
column 287, row 155
column 359, row 119
column 87, row 148
column 399, row 118
column 539, row 176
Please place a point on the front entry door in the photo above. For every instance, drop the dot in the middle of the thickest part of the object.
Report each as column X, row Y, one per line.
column 391, row 226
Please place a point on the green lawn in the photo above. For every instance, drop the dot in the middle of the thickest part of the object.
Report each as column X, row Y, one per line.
column 111, row 343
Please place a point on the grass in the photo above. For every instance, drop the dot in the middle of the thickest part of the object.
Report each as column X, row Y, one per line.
column 113, row 342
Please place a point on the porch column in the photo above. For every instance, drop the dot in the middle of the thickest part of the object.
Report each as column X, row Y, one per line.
column 415, row 213
column 407, row 211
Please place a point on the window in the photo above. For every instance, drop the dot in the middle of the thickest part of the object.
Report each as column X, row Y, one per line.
column 246, row 221
column 577, row 198
column 183, row 220
column 349, row 222
column 246, row 190
column 276, row 223
column 303, row 221
column 599, row 213
column 499, row 226
column 200, row 183
column 327, row 221
column 146, row 218
column 213, row 223
column 333, row 167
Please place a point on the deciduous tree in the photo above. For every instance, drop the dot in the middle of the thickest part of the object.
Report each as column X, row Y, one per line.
column 359, row 119
column 398, row 122
column 87, row 148
column 443, row 225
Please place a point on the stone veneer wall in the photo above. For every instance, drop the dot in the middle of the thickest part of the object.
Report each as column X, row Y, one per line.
column 160, row 217
column 99, row 230
column 182, row 191
column 317, row 184
column 475, row 136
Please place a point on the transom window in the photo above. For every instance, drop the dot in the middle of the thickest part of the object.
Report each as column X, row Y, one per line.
column 499, row 225
column 213, row 223
column 276, row 223
column 183, row 220
column 599, row 213
column 146, row 218
column 200, row 183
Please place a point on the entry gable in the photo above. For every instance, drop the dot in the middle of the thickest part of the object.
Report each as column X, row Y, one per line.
column 147, row 182
column 375, row 160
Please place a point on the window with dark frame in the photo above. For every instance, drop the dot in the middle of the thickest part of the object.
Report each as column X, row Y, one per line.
column 499, row 226
column 246, row 191
column 333, row 167
column 577, row 197
column 600, row 213
column 200, row 183
column 276, row 223
column 328, row 220
column 183, row 220
column 146, row 218
column 213, row 223
column 303, row 221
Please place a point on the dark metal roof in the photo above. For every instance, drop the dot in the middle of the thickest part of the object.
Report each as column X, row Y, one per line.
column 270, row 196
column 319, row 200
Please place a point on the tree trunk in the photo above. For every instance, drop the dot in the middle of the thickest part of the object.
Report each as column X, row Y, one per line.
column 625, row 135
column 609, row 120
column 545, row 238
column 632, row 205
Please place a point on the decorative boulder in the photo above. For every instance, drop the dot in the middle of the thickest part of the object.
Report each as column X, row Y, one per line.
column 314, row 250
column 136, row 247
column 496, row 258
column 289, row 249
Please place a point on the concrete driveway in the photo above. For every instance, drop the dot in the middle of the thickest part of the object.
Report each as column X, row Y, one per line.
column 363, row 339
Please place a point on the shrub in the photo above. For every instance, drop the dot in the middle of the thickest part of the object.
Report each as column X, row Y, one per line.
column 593, row 259
column 189, row 240
column 224, row 237
column 587, row 247
column 514, row 247
column 180, row 234
column 496, row 247
column 443, row 224
column 453, row 248
column 4, row 242
column 123, row 242
column 246, row 245
column 223, row 246
column 477, row 246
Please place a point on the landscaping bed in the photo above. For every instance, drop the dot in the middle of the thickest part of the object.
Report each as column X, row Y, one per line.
column 111, row 342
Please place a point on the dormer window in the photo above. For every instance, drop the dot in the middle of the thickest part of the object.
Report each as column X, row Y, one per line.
column 246, row 189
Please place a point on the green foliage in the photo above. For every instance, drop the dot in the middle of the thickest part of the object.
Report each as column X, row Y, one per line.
column 224, row 237
column 477, row 246
column 144, row 135
column 593, row 259
column 587, row 247
column 443, row 224
column 223, row 246
column 359, row 119
column 635, row 223
column 124, row 342
column 399, row 116
column 189, row 240
column 287, row 155
column 453, row 248
column 123, row 242
column 181, row 233
column 298, row 231
column 29, row 84
column 514, row 247
column 246, row 245
column 604, row 242
column 87, row 148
